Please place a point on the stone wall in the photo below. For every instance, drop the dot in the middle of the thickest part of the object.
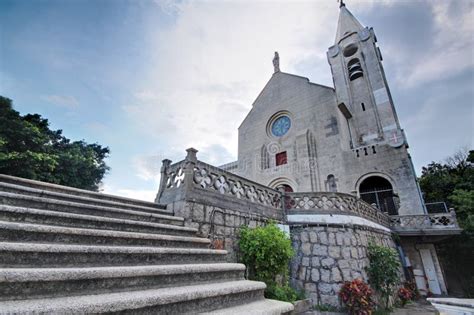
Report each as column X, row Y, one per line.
column 328, row 256
column 219, row 224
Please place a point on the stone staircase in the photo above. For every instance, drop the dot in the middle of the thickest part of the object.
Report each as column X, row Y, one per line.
column 65, row 250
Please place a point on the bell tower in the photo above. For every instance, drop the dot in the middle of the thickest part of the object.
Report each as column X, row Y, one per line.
column 362, row 92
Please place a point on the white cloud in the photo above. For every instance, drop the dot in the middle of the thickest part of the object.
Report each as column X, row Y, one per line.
column 65, row 101
column 452, row 50
column 212, row 63
column 147, row 167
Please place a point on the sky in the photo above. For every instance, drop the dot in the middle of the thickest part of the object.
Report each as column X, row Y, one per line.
column 150, row 79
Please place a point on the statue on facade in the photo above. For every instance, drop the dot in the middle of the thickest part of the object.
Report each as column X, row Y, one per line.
column 276, row 62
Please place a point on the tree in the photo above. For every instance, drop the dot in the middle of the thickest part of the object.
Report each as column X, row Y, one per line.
column 453, row 182
column 29, row 149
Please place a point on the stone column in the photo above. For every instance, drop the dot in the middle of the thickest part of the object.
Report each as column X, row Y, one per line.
column 163, row 179
column 189, row 163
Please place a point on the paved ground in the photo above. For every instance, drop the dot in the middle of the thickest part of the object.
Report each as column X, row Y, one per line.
column 421, row 307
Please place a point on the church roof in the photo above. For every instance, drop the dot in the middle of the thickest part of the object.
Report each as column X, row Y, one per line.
column 346, row 24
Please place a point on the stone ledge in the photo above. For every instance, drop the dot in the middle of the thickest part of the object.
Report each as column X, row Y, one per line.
column 334, row 219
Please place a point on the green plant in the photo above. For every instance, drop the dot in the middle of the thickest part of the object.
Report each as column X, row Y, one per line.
column 382, row 312
column 356, row 295
column 283, row 293
column 326, row 308
column 404, row 295
column 266, row 251
column 383, row 270
column 411, row 286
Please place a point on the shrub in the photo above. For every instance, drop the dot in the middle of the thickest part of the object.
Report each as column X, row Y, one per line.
column 404, row 295
column 266, row 251
column 283, row 293
column 356, row 296
column 411, row 286
column 383, row 270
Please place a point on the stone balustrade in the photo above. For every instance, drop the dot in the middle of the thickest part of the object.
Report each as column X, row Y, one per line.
column 334, row 203
column 194, row 180
column 214, row 179
column 429, row 223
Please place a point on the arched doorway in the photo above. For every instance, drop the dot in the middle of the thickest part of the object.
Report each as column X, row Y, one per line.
column 378, row 191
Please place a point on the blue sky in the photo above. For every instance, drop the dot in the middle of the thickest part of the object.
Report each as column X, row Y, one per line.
column 152, row 78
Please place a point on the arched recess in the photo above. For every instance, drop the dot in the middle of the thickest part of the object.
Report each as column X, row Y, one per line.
column 283, row 183
column 331, row 183
column 378, row 189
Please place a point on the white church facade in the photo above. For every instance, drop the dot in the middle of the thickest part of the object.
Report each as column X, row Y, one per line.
column 301, row 136
column 331, row 164
column 308, row 137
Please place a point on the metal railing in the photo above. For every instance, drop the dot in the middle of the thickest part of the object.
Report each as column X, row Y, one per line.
column 436, row 207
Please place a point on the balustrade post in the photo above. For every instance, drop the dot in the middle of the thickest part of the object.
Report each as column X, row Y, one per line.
column 189, row 163
column 454, row 219
column 163, row 178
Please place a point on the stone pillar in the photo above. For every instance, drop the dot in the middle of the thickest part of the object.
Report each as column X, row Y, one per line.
column 189, row 163
column 163, row 179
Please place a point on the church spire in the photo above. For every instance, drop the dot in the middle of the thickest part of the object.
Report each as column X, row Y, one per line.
column 347, row 22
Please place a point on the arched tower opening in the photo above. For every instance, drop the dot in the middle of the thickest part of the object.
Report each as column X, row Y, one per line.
column 378, row 191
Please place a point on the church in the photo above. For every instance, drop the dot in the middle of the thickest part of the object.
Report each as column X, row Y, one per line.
column 329, row 164
column 301, row 136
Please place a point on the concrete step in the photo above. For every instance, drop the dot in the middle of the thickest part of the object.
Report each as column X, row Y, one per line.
column 178, row 300
column 30, row 215
column 40, row 233
column 76, row 192
column 35, row 192
column 259, row 307
column 26, row 255
column 79, row 208
column 21, row 283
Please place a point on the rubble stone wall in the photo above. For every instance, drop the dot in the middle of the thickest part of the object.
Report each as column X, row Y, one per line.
column 220, row 224
column 327, row 256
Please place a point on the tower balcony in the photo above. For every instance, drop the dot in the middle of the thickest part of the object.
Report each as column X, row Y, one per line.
column 426, row 224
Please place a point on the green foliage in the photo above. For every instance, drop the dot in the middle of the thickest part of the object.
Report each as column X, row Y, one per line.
column 326, row 308
column 453, row 182
column 382, row 312
column 356, row 295
column 29, row 149
column 463, row 202
column 383, row 270
column 283, row 293
column 266, row 251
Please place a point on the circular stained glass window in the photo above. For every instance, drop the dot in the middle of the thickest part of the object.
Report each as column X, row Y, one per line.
column 281, row 125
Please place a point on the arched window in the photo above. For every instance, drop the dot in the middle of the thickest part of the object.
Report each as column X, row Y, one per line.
column 378, row 191
column 355, row 69
column 264, row 158
column 331, row 183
